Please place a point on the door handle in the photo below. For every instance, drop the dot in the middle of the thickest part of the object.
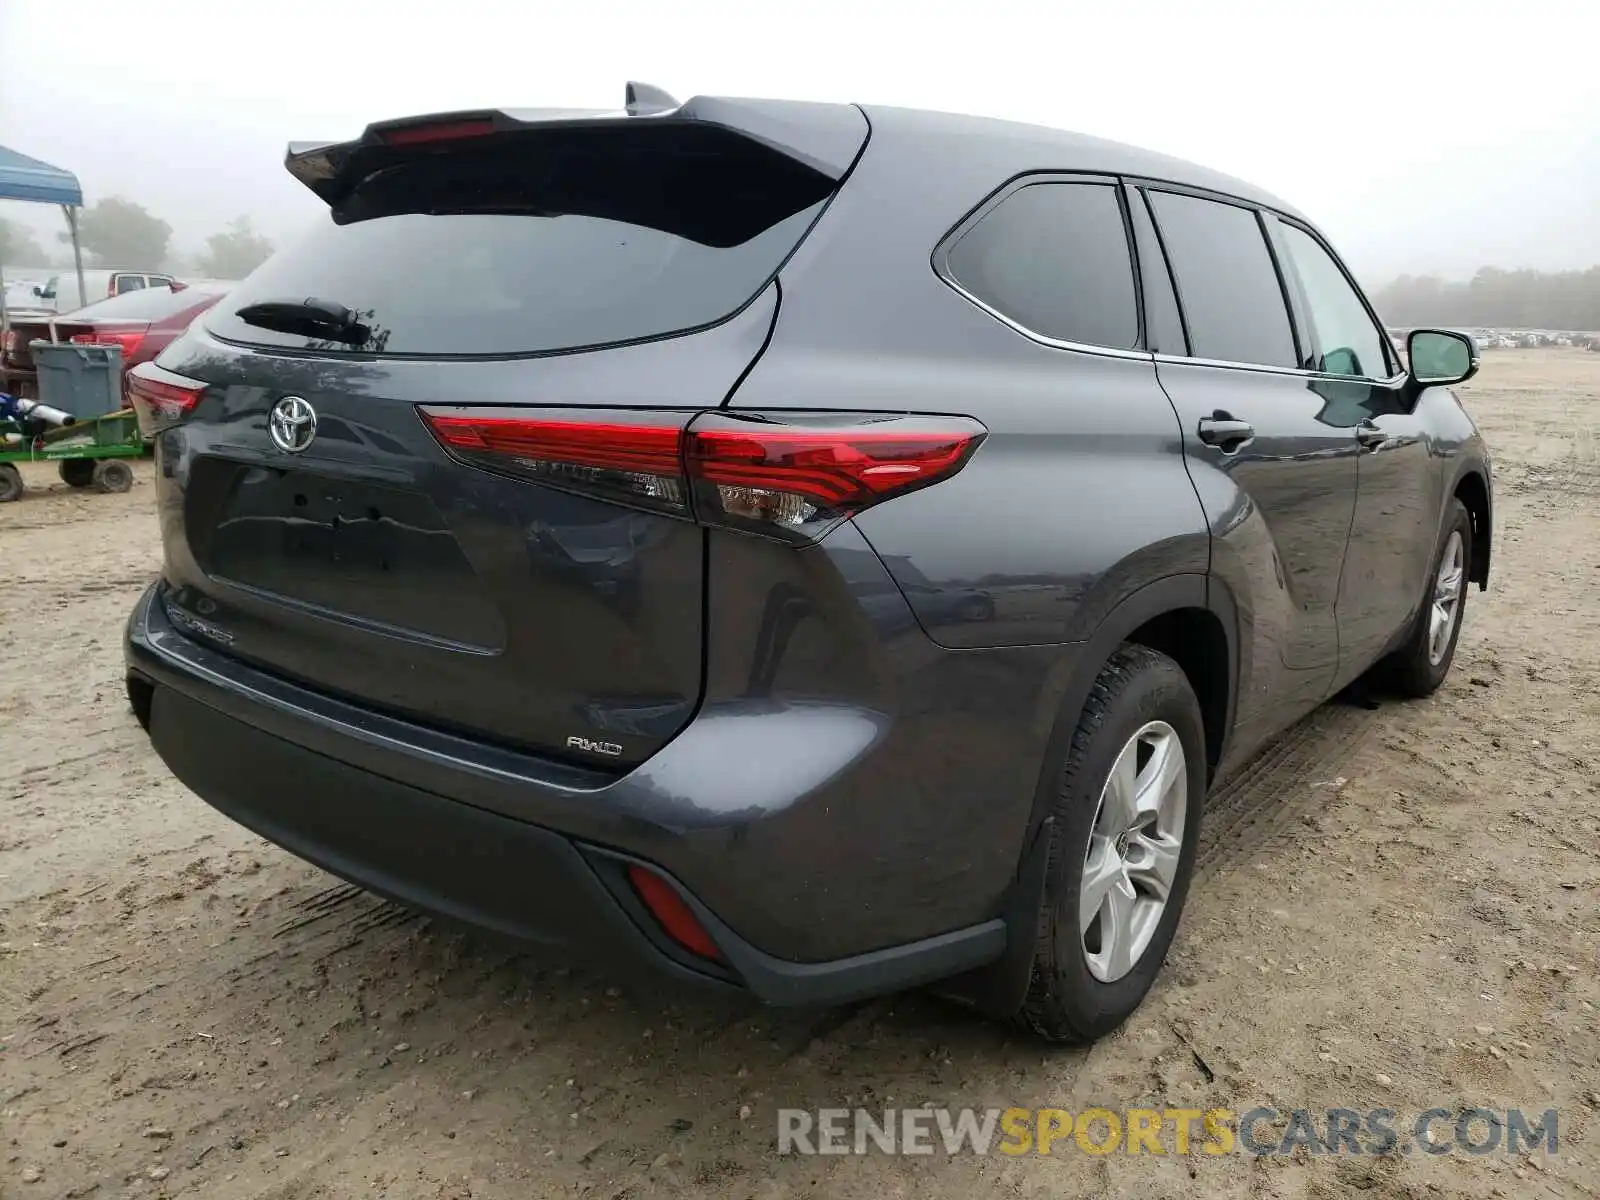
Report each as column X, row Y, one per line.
column 1370, row 436
column 1220, row 429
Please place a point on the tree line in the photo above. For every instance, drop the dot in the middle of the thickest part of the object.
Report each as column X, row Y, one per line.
column 117, row 232
column 1494, row 298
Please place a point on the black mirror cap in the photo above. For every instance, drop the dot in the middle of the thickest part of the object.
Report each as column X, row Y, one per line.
column 1440, row 357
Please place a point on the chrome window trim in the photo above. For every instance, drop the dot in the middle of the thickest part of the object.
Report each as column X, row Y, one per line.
column 1264, row 368
column 1043, row 339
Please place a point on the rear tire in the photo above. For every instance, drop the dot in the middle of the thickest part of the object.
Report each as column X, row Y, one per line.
column 1142, row 724
column 112, row 475
column 11, row 487
column 1423, row 660
column 76, row 472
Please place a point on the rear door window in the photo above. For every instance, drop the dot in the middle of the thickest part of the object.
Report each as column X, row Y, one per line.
column 1052, row 257
column 1227, row 282
column 128, row 283
column 526, row 246
column 1349, row 341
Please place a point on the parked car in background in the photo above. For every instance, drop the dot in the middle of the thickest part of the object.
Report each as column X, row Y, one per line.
column 20, row 293
column 143, row 322
column 60, row 292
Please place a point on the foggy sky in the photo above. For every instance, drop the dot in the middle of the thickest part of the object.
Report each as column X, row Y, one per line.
column 1422, row 137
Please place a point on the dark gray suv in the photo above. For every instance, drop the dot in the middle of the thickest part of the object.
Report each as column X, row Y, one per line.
column 814, row 550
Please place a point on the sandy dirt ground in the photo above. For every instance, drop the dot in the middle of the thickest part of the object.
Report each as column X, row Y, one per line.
column 1396, row 908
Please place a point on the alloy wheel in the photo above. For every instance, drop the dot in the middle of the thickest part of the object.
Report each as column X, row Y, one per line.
column 1445, row 609
column 1134, row 848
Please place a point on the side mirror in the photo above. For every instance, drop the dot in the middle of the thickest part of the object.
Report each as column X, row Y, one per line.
column 38, row 291
column 1440, row 357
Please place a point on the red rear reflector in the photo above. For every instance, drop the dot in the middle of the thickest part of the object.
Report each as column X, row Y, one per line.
column 793, row 478
column 673, row 914
column 160, row 395
column 438, row 131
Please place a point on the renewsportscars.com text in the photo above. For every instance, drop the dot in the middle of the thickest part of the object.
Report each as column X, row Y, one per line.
column 1181, row 1131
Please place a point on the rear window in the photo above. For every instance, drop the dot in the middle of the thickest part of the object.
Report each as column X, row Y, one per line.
column 144, row 304
column 528, row 246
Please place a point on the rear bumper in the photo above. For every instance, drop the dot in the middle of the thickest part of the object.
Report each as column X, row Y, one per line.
column 422, row 817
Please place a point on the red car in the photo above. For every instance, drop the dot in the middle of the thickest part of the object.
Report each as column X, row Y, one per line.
column 141, row 322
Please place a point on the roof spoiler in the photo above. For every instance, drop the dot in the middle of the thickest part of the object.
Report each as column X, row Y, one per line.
column 825, row 137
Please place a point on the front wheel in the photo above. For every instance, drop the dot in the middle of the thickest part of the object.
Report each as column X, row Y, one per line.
column 1127, row 820
column 1419, row 666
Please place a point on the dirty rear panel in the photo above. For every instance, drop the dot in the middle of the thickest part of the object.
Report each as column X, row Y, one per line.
column 374, row 566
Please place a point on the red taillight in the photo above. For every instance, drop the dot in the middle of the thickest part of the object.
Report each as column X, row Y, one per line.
column 792, row 477
column 436, row 131
column 634, row 463
column 160, row 396
column 672, row 912
column 646, row 448
column 836, row 468
column 129, row 339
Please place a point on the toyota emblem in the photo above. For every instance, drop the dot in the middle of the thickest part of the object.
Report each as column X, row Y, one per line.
column 292, row 424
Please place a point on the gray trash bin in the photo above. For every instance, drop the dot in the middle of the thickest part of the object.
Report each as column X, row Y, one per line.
column 85, row 381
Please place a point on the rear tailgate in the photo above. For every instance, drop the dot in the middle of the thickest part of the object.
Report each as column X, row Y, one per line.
column 593, row 275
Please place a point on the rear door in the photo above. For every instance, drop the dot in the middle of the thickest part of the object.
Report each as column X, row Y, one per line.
column 390, row 510
column 1276, row 476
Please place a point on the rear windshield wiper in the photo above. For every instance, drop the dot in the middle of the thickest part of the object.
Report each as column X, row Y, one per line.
column 309, row 317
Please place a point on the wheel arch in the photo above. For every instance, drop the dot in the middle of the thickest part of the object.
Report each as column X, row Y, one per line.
column 1472, row 489
column 1194, row 620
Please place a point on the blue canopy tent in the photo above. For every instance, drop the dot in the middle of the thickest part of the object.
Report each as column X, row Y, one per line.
column 28, row 179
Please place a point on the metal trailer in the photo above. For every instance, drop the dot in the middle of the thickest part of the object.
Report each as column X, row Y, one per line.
column 91, row 453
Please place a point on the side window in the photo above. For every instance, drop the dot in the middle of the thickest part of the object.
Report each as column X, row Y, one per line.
column 1227, row 283
column 1349, row 341
column 1053, row 258
column 129, row 283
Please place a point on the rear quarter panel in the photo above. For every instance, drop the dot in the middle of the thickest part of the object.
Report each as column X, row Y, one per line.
column 1078, row 496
